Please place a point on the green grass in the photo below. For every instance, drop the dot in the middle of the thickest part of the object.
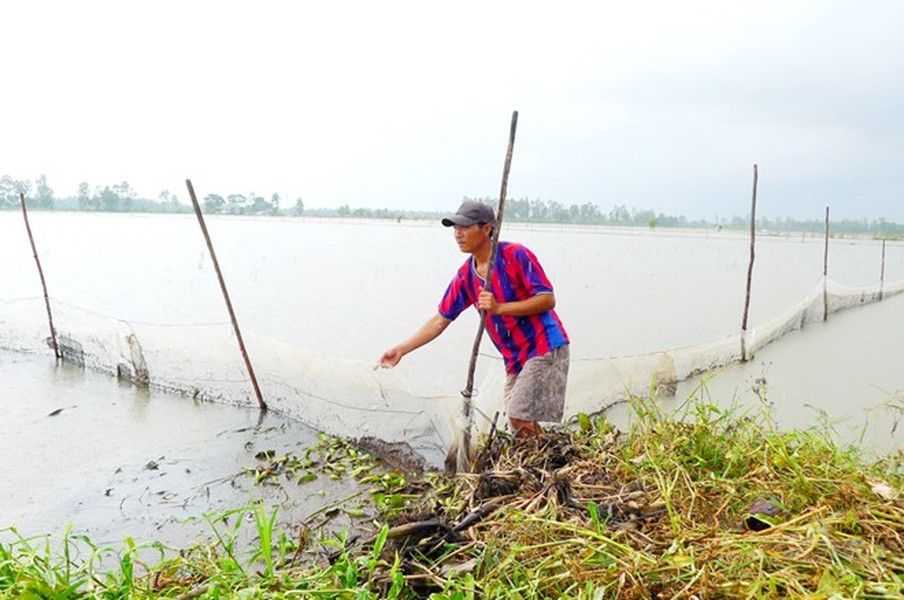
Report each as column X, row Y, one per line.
column 657, row 512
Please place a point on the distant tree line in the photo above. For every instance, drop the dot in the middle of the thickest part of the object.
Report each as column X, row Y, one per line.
column 550, row 211
column 122, row 198
column 242, row 204
column 525, row 210
column 110, row 198
column 10, row 189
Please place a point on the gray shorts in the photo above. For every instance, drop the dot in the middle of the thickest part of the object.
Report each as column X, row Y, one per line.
column 537, row 393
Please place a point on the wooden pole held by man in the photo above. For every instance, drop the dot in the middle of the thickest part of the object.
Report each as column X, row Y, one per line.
column 458, row 458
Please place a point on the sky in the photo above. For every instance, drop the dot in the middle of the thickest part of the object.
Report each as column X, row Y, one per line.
column 653, row 105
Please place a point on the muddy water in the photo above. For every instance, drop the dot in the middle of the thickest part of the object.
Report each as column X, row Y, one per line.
column 114, row 461
column 808, row 380
column 117, row 461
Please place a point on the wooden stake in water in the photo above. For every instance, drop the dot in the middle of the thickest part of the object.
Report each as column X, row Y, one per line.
column 882, row 272
column 235, row 323
column 34, row 250
column 458, row 459
column 749, row 268
column 825, row 273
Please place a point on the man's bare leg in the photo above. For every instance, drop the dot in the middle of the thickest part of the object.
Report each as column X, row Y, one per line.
column 525, row 429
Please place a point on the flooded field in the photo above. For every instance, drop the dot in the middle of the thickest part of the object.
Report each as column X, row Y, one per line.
column 80, row 447
column 113, row 461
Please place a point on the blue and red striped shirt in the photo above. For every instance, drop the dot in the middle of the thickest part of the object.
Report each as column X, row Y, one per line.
column 517, row 275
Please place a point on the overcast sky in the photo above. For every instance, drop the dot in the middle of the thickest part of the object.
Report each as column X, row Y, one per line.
column 407, row 105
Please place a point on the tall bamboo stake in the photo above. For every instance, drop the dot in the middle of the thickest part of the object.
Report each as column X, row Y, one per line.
column 235, row 323
column 825, row 273
column 458, row 458
column 34, row 250
column 494, row 240
column 882, row 272
column 749, row 268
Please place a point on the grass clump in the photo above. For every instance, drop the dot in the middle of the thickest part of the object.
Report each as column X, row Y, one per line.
column 702, row 502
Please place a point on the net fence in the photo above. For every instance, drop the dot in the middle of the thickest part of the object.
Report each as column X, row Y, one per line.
column 347, row 396
column 342, row 397
column 596, row 383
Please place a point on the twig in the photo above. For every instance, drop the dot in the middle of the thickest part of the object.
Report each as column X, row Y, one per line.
column 307, row 520
column 488, row 445
column 195, row 593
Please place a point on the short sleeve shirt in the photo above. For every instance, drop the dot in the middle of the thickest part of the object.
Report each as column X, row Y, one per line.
column 517, row 275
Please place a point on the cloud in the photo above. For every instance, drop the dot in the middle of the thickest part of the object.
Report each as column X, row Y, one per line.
column 406, row 105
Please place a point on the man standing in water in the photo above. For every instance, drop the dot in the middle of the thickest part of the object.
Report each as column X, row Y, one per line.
column 520, row 319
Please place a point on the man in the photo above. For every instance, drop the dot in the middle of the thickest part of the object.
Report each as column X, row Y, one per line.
column 521, row 320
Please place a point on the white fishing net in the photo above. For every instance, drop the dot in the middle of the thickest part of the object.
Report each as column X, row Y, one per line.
column 342, row 397
column 596, row 383
column 325, row 381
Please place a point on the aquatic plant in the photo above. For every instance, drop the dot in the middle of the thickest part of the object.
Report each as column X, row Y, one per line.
column 702, row 501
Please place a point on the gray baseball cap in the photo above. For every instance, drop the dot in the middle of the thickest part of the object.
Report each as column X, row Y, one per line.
column 471, row 212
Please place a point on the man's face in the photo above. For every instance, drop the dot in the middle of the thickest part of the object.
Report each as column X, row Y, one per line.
column 471, row 237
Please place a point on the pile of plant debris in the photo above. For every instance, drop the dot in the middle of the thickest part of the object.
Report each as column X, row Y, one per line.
column 549, row 474
column 701, row 503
